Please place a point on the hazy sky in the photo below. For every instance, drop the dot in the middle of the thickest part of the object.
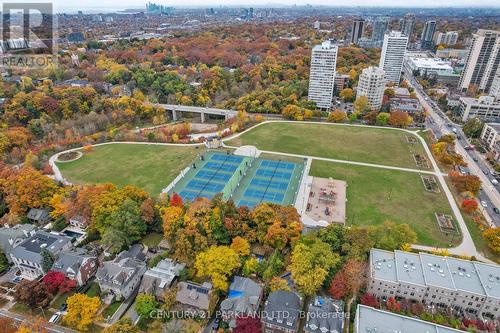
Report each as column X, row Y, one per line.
column 64, row 5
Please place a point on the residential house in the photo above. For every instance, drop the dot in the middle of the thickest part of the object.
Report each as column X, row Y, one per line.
column 324, row 314
column 282, row 312
column 196, row 297
column 160, row 278
column 76, row 265
column 122, row 275
column 10, row 237
column 27, row 255
column 244, row 298
column 38, row 216
column 79, row 221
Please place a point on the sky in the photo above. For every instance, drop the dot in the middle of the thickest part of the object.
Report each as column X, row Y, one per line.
column 92, row 5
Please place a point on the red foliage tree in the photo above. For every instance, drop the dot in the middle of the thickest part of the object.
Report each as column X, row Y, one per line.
column 176, row 200
column 338, row 287
column 248, row 325
column 469, row 205
column 369, row 300
column 393, row 305
column 58, row 282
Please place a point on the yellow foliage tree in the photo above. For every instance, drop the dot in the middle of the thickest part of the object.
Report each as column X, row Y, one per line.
column 240, row 246
column 82, row 311
column 337, row 116
column 217, row 263
column 278, row 283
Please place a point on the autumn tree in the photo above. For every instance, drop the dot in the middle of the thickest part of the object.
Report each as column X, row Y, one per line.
column 465, row 183
column 145, row 304
column 382, row 119
column 278, row 283
column 217, row 263
column 391, row 236
column 400, row 118
column 172, row 220
column 369, row 300
column 82, row 311
column 349, row 280
column 7, row 325
column 248, row 324
column 58, row 282
column 32, row 293
column 361, row 105
column 310, row 264
column 337, row 116
column 469, row 205
column 176, row 200
column 492, row 236
column 240, row 246
column 123, row 325
column 347, row 94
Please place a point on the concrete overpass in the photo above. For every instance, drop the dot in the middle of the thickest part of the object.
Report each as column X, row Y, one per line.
column 177, row 109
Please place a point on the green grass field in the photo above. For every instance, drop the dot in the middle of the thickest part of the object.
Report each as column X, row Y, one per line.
column 149, row 167
column 360, row 144
column 376, row 195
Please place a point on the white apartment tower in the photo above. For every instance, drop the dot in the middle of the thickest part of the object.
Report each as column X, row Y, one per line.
column 446, row 38
column 322, row 74
column 495, row 86
column 482, row 61
column 393, row 53
column 372, row 84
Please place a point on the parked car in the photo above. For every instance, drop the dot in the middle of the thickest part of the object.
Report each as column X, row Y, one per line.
column 496, row 210
column 484, row 171
column 484, row 204
column 63, row 307
column 494, row 181
column 17, row 279
column 475, row 159
column 55, row 318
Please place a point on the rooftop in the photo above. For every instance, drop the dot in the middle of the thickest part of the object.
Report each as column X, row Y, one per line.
column 495, row 126
column 325, row 314
column 432, row 63
column 431, row 270
column 370, row 320
column 283, row 309
column 31, row 247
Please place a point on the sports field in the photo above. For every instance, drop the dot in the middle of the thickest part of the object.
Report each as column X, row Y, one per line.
column 248, row 181
column 150, row 167
column 360, row 144
column 375, row 195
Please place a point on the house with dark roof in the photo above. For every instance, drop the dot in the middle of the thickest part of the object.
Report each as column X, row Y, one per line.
column 243, row 298
column 10, row 237
column 27, row 255
column 76, row 265
column 38, row 216
column 160, row 278
column 324, row 314
column 282, row 312
column 122, row 275
column 196, row 297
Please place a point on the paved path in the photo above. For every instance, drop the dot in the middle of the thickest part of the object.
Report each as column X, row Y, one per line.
column 466, row 247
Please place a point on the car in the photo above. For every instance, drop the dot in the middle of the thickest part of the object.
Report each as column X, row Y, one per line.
column 492, row 172
column 55, row 317
column 475, row 159
column 496, row 210
column 484, row 171
column 17, row 279
column 494, row 181
column 484, row 204
column 63, row 307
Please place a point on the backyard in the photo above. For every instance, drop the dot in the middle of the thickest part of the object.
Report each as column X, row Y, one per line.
column 360, row 144
column 150, row 167
column 375, row 195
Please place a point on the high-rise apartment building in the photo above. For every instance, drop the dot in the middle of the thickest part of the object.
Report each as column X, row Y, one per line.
column 358, row 27
column 482, row 62
column 446, row 38
column 380, row 27
column 372, row 84
column 427, row 37
column 495, row 86
column 393, row 53
column 322, row 74
column 407, row 25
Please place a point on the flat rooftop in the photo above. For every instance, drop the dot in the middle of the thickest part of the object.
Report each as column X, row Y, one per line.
column 433, row 63
column 370, row 320
column 438, row 271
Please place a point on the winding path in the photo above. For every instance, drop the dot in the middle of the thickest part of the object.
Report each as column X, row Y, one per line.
column 466, row 247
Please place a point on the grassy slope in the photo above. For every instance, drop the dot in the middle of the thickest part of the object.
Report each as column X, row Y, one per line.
column 149, row 167
column 360, row 144
column 376, row 195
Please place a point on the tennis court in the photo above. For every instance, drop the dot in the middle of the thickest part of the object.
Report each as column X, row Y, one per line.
column 248, row 181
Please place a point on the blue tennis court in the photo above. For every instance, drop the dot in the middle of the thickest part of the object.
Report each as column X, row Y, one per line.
column 221, row 166
column 190, row 195
column 268, row 183
column 277, row 164
column 227, row 158
column 263, row 195
column 204, row 186
column 219, row 176
column 267, row 173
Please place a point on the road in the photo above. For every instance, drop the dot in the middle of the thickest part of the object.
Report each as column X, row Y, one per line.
column 48, row 327
column 440, row 124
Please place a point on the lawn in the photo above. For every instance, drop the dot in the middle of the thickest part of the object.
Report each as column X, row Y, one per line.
column 111, row 309
column 60, row 299
column 152, row 239
column 375, row 195
column 94, row 290
column 149, row 167
column 360, row 144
